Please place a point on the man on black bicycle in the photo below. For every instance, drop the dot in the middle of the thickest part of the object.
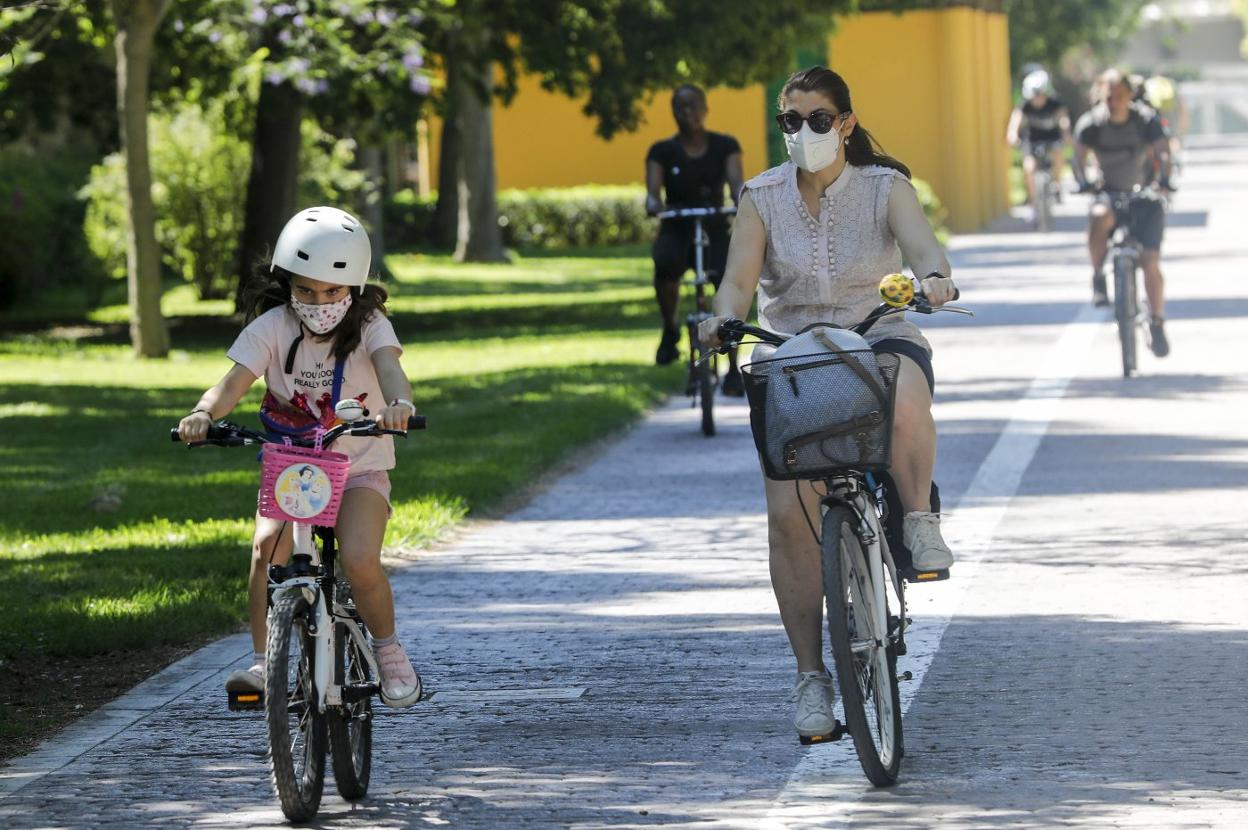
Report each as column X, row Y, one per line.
column 692, row 168
column 1040, row 125
column 1131, row 148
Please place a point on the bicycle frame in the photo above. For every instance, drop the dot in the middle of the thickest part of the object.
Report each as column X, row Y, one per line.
column 323, row 626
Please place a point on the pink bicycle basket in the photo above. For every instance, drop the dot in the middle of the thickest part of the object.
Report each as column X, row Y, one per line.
column 301, row 484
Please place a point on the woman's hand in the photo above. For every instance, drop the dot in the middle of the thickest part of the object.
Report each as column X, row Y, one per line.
column 194, row 427
column 938, row 290
column 395, row 416
column 708, row 331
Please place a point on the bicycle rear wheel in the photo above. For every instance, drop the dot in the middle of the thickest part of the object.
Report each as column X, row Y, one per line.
column 707, row 377
column 866, row 665
column 1125, row 311
column 351, row 725
column 296, row 727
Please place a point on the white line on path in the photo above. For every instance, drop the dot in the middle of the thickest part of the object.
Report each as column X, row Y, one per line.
column 828, row 781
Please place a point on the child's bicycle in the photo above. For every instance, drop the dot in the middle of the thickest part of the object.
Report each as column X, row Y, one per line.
column 703, row 373
column 320, row 675
column 865, row 565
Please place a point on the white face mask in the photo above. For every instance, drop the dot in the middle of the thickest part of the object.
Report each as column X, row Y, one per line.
column 323, row 318
column 813, row 152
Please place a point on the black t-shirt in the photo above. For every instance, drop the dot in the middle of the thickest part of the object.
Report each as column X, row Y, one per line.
column 694, row 182
column 1042, row 124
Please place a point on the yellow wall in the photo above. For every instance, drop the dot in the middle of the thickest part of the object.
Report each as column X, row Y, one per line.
column 932, row 86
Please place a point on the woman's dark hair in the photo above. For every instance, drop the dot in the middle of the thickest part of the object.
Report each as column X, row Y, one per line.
column 861, row 148
column 270, row 289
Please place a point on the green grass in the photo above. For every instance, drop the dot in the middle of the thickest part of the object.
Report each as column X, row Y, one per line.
column 113, row 538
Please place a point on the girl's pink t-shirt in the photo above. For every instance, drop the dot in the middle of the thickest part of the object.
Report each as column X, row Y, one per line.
column 262, row 348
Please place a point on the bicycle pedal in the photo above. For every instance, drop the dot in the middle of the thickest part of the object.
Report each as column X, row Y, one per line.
column 246, row 701
column 914, row 576
column 839, row 731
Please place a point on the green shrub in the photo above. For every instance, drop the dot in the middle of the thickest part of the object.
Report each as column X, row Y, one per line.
column 41, row 242
column 572, row 217
column 549, row 218
column 199, row 185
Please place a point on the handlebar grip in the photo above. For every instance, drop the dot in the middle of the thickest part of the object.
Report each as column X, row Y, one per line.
column 173, row 435
column 728, row 328
column 956, row 292
column 417, row 422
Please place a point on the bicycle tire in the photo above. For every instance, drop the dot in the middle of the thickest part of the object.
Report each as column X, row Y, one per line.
column 866, row 668
column 707, row 376
column 1043, row 202
column 351, row 725
column 1125, row 311
column 299, row 791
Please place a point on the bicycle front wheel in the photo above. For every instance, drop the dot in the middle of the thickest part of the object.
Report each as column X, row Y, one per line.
column 295, row 725
column 1125, row 311
column 351, row 725
column 1043, row 202
column 866, row 665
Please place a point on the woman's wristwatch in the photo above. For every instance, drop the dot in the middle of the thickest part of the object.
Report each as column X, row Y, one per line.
column 404, row 402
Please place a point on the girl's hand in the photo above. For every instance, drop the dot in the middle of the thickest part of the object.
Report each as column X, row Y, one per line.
column 194, row 427
column 395, row 416
column 708, row 331
column 938, row 290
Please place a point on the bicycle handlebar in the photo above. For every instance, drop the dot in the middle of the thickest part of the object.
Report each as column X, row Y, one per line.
column 226, row 434
column 692, row 212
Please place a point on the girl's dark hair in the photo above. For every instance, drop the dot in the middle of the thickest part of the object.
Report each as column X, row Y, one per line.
column 270, row 289
column 861, row 148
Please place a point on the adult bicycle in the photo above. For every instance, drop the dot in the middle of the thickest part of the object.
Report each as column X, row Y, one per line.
column 1130, row 313
column 865, row 565
column 703, row 377
column 1045, row 188
column 320, row 674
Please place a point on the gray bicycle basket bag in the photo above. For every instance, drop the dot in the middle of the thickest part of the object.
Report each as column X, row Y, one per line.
column 822, row 403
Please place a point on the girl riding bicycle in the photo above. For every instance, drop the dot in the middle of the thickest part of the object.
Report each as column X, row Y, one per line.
column 318, row 334
column 815, row 235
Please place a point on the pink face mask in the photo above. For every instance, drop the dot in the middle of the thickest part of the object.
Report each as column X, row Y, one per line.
column 323, row 318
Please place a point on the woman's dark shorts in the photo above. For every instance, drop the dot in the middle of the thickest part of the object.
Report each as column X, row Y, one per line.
column 674, row 255
column 913, row 351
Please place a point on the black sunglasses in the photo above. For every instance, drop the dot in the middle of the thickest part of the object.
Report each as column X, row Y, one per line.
column 820, row 121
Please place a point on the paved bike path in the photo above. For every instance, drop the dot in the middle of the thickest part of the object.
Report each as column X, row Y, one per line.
column 611, row 655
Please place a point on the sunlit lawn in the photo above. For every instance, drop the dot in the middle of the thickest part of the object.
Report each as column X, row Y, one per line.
column 112, row 537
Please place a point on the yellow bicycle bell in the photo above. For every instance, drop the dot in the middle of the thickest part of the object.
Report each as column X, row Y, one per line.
column 897, row 290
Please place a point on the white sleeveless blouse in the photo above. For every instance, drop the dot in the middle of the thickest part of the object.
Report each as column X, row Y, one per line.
column 828, row 268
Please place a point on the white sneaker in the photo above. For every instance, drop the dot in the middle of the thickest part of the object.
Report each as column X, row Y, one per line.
column 250, row 680
column 921, row 533
column 814, row 695
column 400, row 684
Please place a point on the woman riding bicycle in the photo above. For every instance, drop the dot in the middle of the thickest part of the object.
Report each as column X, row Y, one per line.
column 815, row 235
column 318, row 334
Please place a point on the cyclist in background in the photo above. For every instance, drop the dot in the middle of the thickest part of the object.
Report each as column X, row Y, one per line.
column 1042, row 120
column 1162, row 94
column 1130, row 144
column 691, row 168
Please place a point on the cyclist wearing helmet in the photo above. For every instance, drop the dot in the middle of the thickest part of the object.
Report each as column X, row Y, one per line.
column 1131, row 148
column 1040, row 123
column 318, row 334
column 691, row 168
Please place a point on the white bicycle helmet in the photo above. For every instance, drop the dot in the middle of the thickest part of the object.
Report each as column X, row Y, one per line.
column 1036, row 83
column 326, row 244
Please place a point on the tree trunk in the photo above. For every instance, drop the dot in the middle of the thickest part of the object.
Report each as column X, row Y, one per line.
column 136, row 23
column 446, row 214
column 478, row 237
column 271, row 185
column 371, row 160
